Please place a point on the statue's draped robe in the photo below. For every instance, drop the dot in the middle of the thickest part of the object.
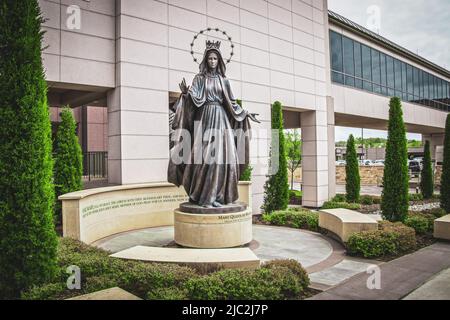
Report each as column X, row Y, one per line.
column 211, row 172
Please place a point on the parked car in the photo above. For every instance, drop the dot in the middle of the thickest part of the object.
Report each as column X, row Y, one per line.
column 378, row 163
column 414, row 167
column 341, row 162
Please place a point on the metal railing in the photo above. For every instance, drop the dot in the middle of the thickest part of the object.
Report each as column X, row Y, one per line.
column 95, row 165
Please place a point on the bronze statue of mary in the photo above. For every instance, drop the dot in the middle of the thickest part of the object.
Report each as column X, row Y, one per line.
column 218, row 129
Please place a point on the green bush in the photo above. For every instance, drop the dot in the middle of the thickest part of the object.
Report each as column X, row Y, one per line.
column 436, row 212
column 343, row 205
column 394, row 198
column 68, row 159
column 276, row 188
column 352, row 179
column 27, row 236
column 366, row 200
column 294, row 218
column 445, row 177
column 415, row 197
column 270, row 282
column 275, row 280
column 390, row 239
column 418, row 222
column 339, row 198
column 246, row 174
column 295, row 194
column 172, row 293
column 426, row 181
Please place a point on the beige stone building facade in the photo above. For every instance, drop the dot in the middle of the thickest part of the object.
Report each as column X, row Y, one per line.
column 129, row 56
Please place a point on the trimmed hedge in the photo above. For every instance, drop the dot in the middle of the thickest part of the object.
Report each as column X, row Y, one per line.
column 276, row 187
column 389, row 239
column 275, row 280
column 28, row 239
column 68, row 159
column 343, row 205
column 394, row 203
column 415, row 197
column 445, row 177
column 352, row 179
column 426, row 181
column 419, row 223
column 294, row 218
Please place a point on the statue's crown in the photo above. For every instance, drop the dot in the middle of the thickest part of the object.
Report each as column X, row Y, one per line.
column 212, row 45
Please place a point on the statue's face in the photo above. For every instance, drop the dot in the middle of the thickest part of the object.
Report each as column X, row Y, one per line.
column 213, row 60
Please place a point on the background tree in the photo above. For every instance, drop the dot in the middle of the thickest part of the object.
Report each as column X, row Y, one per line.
column 276, row 188
column 445, row 178
column 293, row 153
column 394, row 198
column 27, row 236
column 68, row 158
column 426, row 181
column 352, row 180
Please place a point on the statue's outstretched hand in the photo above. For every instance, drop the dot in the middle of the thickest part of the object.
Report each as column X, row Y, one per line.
column 183, row 87
column 252, row 117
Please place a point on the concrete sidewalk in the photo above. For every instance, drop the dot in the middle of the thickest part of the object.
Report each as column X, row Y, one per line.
column 399, row 277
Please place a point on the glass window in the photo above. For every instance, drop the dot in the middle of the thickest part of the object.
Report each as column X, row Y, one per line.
column 416, row 81
column 336, row 51
column 409, row 79
column 366, row 63
column 337, row 77
column 390, row 72
column 421, row 90
column 383, row 69
column 349, row 62
column 398, row 75
column 404, row 80
column 425, row 86
column 358, row 62
column 376, row 70
column 439, row 89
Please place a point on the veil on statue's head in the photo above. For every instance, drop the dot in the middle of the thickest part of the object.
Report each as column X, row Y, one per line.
column 213, row 46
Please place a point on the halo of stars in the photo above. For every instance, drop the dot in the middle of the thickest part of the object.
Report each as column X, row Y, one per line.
column 209, row 30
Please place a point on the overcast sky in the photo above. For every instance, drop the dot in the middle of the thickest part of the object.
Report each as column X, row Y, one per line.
column 421, row 26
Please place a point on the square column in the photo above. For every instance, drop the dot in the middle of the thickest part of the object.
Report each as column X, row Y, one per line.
column 138, row 108
column 315, row 165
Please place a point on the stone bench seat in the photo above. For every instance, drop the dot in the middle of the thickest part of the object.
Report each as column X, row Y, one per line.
column 442, row 228
column 228, row 258
column 344, row 222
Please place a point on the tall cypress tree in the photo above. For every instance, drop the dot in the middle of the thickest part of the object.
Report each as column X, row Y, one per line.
column 276, row 188
column 27, row 236
column 394, row 198
column 68, row 158
column 445, row 178
column 426, row 182
column 352, row 180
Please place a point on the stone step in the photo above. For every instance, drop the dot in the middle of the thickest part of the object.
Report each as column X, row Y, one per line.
column 108, row 294
column 228, row 258
column 442, row 228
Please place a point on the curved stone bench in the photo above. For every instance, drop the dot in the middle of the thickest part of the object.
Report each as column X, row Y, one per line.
column 344, row 222
column 227, row 258
column 93, row 214
column 442, row 228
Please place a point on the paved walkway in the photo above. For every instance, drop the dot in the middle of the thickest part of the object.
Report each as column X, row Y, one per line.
column 399, row 278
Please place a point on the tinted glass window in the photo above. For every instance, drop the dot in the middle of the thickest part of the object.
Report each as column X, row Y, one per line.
column 349, row 62
column 358, row 62
column 383, row 69
column 336, row 51
column 404, row 78
column 409, row 79
column 398, row 74
column 366, row 62
column 390, row 72
column 416, row 81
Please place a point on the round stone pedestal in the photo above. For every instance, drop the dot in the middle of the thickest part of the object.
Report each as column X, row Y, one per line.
column 218, row 228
